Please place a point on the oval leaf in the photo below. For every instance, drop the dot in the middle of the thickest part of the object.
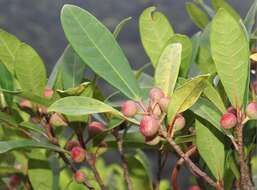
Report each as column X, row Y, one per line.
column 155, row 30
column 167, row 70
column 96, row 45
column 186, row 95
column 30, row 70
column 230, row 51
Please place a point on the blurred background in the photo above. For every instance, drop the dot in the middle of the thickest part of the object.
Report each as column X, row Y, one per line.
column 37, row 22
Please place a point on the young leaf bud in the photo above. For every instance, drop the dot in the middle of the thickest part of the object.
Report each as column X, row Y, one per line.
column 129, row 108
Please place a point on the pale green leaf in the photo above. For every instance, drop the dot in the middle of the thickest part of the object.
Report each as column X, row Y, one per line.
column 186, row 95
column 217, row 4
column 211, row 149
column 197, row 15
column 186, row 54
column 120, row 26
column 230, row 51
column 155, row 31
column 97, row 47
column 9, row 44
column 30, row 70
column 167, row 70
column 250, row 19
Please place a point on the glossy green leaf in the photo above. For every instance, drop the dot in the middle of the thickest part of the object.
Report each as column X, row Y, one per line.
column 230, row 51
column 197, row 15
column 217, row 4
column 78, row 105
column 40, row 175
column 96, row 46
column 155, row 31
column 186, row 54
column 120, row 26
column 186, row 95
column 9, row 45
column 30, row 70
column 6, row 146
column 6, row 82
column 250, row 19
column 211, row 149
column 73, row 68
column 167, row 70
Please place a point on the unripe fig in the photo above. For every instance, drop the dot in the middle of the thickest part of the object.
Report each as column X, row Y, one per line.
column 95, row 128
column 71, row 144
column 164, row 103
column 228, row 120
column 156, row 94
column 232, row 110
column 57, row 120
column 251, row 110
column 179, row 123
column 129, row 108
column 194, row 187
column 25, row 104
column 79, row 176
column 78, row 154
column 14, row 181
column 149, row 126
column 48, row 92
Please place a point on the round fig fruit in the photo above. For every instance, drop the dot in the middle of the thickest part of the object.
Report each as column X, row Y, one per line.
column 129, row 108
column 228, row 120
column 149, row 126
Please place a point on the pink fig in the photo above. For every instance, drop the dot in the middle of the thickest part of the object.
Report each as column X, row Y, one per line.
column 251, row 110
column 95, row 128
column 228, row 120
column 156, row 94
column 149, row 126
column 79, row 176
column 194, row 187
column 164, row 103
column 232, row 110
column 180, row 122
column 25, row 104
column 71, row 144
column 78, row 154
column 48, row 92
column 129, row 108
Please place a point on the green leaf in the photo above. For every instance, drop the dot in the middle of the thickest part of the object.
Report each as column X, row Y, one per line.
column 6, row 82
column 120, row 26
column 250, row 19
column 186, row 55
column 40, row 174
column 197, row 15
column 230, row 51
column 6, row 146
column 139, row 172
column 73, row 68
column 186, row 95
column 211, row 149
column 155, row 31
column 9, row 45
column 78, row 105
column 167, row 70
column 217, row 4
column 96, row 46
column 30, row 70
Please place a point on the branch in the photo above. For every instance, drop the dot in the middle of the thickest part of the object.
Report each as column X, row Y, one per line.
column 196, row 170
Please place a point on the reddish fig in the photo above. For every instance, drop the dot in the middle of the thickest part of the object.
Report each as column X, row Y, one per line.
column 57, row 120
column 179, row 123
column 78, row 154
column 95, row 128
column 79, row 176
column 228, row 120
column 251, row 110
column 129, row 108
column 149, row 126
column 164, row 102
column 71, row 144
column 194, row 187
column 14, row 181
column 25, row 104
column 232, row 110
column 156, row 94
column 48, row 93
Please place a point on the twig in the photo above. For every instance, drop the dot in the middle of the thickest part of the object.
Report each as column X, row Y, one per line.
column 119, row 139
column 188, row 161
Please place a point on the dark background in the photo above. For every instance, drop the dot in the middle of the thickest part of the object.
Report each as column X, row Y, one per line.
column 37, row 22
